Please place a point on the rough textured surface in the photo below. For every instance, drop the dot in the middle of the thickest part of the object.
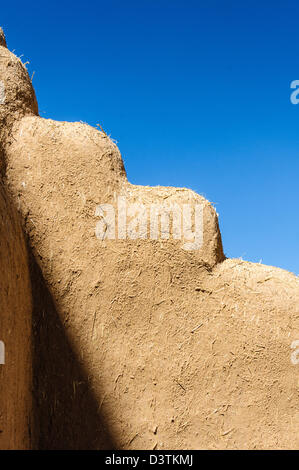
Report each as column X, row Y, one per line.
column 20, row 98
column 2, row 38
column 15, row 290
column 15, row 331
column 139, row 343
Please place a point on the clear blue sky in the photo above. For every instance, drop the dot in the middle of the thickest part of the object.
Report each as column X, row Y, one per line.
column 197, row 94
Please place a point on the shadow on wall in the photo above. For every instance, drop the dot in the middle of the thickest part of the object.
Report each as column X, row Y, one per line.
column 65, row 411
